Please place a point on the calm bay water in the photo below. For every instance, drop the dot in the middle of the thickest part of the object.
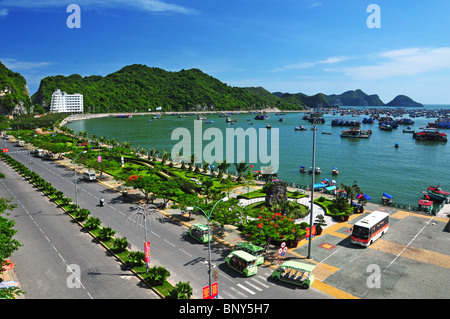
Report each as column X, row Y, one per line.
column 374, row 163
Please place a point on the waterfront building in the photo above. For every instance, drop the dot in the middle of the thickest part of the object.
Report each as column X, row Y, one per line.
column 66, row 103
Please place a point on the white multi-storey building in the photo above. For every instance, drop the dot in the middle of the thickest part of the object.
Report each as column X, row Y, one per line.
column 66, row 103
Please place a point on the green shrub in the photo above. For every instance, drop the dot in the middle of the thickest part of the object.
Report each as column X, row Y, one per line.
column 120, row 244
column 82, row 214
column 92, row 223
column 135, row 258
column 106, row 233
column 157, row 275
column 182, row 290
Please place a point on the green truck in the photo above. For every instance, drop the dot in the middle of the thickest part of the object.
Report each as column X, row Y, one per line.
column 296, row 273
column 242, row 262
column 199, row 232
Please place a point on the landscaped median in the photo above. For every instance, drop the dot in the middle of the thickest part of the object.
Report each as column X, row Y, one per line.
column 154, row 277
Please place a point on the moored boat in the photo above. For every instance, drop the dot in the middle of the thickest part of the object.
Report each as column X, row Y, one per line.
column 425, row 205
column 437, row 194
column 387, row 199
column 262, row 117
column 335, row 171
column 317, row 170
column 302, row 169
column 356, row 133
column 124, row 116
column 430, row 134
column 300, row 128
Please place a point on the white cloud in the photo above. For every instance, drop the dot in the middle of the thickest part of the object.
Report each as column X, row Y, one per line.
column 15, row 65
column 3, row 12
column 305, row 65
column 403, row 62
column 144, row 5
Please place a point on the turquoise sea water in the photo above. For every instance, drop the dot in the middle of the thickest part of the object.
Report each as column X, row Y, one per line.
column 374, row 163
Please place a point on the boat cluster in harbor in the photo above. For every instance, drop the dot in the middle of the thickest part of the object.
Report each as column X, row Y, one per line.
column 388, row 119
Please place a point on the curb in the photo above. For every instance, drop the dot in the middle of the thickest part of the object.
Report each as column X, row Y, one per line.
column 97, row 240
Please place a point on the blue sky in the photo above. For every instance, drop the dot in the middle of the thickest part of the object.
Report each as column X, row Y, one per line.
column 306, row 46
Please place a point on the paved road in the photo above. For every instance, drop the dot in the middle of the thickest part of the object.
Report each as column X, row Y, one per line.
column 57, row 259
column 170, row 244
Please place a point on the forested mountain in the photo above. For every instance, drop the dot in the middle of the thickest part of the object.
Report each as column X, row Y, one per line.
column 348, row 98
column 138, row 87
column 14, row 92
column 403, row 101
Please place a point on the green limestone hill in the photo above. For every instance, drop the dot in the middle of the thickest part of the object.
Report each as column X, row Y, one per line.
column 403, row 101
column 348, row 98
column 318, row 100
column 14, row 94
column 354, row 98
column 138, row 87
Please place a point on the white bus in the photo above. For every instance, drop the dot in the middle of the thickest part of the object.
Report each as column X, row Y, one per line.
column 370, row 228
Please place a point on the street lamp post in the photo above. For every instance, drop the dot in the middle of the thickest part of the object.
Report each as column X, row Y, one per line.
column 314, row 117
column 208, row 216
column 75, row 169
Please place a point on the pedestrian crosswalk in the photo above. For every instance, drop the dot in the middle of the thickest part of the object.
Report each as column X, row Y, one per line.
column 246, row 288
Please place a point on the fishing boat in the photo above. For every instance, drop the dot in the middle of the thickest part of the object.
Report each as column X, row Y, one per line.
column 124, row 116
column 387, row 199
column 341, row 122
column 300, row 128
column 356, row 133
column 425, row 205
column 281, row 119
column 430, row 134
column 437, row 194
column 335, row 171
column 317, row 170
column 302, row 169
column 262, row 117
column 385, row 127
column 440, row 123
column 230, row 120
column 268, row 126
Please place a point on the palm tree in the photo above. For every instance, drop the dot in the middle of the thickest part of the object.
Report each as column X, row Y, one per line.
column 164, row 157
column 241, row 168
column 222, row 167
column 152, row 154
column 205, row 166
column 351, row 191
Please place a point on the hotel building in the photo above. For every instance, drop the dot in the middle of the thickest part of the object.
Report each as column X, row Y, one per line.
column 66, row 103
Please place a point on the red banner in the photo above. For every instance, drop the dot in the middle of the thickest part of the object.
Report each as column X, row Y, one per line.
column 214, row 291
column 147, row 252
column 308, row 231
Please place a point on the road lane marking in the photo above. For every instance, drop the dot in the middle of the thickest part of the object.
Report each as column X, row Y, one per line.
column 185, row 252
column 238, row 292
column 246, row 289
column 260, row 283
column 253, row 286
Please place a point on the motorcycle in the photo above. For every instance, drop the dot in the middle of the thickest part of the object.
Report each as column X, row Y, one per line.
column 102, row 202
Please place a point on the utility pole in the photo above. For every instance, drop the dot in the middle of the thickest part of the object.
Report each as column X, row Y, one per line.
column 314, row 119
